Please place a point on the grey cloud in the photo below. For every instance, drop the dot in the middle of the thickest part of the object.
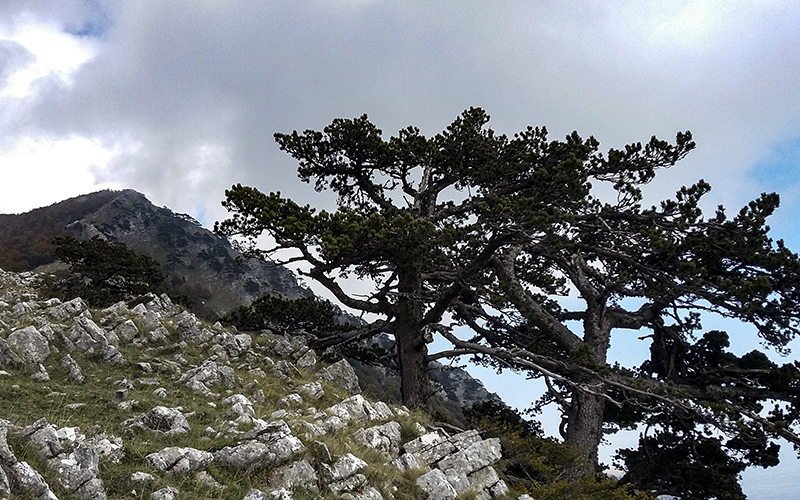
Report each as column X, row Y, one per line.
column 176, row 76
column 13, row 56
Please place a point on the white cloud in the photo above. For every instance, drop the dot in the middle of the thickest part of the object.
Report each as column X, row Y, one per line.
column 55, row 54
column 38, row 172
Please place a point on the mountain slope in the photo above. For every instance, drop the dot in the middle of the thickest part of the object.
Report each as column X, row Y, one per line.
column 26, row 240
column 199, row 263
column 150, row 402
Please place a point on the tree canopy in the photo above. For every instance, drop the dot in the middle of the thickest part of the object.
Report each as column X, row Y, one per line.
column 105, row 273
column 507, row 237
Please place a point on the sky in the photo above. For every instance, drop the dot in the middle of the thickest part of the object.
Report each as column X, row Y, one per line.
column 179, row 100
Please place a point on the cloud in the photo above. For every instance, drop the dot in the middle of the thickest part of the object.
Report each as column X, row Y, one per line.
column 179, row 79
column 54, row 169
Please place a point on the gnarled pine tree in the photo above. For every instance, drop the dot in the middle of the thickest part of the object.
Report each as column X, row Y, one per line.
column 473, row 228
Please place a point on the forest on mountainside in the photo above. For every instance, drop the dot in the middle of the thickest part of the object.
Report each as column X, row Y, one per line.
column 27, row 239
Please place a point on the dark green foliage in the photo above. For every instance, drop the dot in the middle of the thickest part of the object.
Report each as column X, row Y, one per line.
column 686, row 464
column 312, row 314
column 26, row 240
column 535, row 464
column 506, row 236
column 104, row 273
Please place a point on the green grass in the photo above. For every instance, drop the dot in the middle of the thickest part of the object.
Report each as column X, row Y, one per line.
column 90, row 406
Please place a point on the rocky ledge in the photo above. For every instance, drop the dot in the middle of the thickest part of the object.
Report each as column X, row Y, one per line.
column 150, row 402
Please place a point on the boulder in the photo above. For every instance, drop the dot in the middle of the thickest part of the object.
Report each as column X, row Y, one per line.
column 345, row 467
column 127, row 331
column 42, row 437
column 384, row 438
column 436, row 485
column 87, row 336
column 29, row 481
column 66, row 310
column 313, row 390
column 77, row 472
column 160, row 420
column 29, row 344
column 238, row 345
column 474, row 457
column 167, row 493
column 358, row 408
column 179, row 460
column 6, row 454
column 208, row 373
column 254, row 455
column 298, row 474
column 5, row 485
column 74, row 371
column 342, row 374
column 8, row 358
column 255, row 494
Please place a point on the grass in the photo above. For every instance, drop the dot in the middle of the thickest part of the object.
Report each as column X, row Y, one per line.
column 90, row 406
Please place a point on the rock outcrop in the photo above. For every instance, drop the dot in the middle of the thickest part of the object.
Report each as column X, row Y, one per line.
column 193, row 405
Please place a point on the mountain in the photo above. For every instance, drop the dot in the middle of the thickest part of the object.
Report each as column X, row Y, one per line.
column 198, row 262
column 26, row 240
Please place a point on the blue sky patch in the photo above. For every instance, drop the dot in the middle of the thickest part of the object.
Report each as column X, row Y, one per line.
column 95, row 23
column 781, row 168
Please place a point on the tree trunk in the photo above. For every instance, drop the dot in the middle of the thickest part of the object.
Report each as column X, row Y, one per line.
column 412, row 351
column 584, row 432
column 585, row 424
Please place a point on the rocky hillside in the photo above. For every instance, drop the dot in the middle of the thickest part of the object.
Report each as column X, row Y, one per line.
column 150, row 402
column 199, row 263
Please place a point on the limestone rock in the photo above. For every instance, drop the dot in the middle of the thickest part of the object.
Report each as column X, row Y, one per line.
column 41, row 374
column 6, row 454
column 112, row 356
column 207, row 480
column 368, row 493
column 142, row 477
column 476, row 456
column 255, row 494
column 299, row 474
column 308, row 360
column 66, row 310
column 358, row 408
column 74, row 370
column 209, row 373
column 42, row 437
column 239, row 406
column 78, row 472
column 168, row 493
column 436, row 485
column 238, row 345
column 188, row 328
column 5, row 485
column 313, row 389
column 346, row 466
column 87, row 336
column 127, row 331
column 8, row 357
column 254, row 455
column 161, row 420
column 29, row 344
column 384, row 438
column 179, row 460
column 30, row 481
column 341, row 373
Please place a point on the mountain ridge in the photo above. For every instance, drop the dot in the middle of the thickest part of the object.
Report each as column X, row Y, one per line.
column 198, row 262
